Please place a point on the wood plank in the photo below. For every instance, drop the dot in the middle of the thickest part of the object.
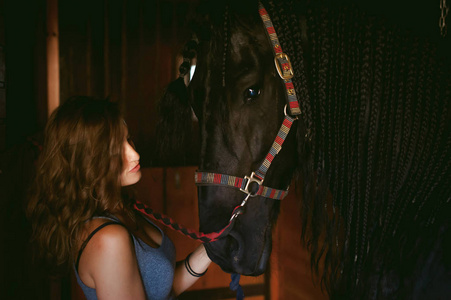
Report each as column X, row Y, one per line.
column 293, row 278
column 53, row 66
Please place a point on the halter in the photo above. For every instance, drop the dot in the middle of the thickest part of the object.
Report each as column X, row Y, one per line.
column 251, row 185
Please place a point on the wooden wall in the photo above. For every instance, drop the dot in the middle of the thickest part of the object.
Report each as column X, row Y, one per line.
column 126, row 51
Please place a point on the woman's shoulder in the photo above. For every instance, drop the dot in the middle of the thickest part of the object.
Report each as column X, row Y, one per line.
column 108, row 236
column 112, row 232
column 109, row 263
column 110, row 245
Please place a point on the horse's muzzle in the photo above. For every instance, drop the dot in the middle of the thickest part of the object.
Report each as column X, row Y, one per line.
column 232, row 255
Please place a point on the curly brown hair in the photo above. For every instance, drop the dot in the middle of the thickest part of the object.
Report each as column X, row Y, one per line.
column 77, row 175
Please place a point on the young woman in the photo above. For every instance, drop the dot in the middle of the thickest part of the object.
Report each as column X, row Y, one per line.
column 82, row 217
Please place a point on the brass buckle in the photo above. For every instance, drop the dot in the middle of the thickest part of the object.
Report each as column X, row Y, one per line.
column 285, row 74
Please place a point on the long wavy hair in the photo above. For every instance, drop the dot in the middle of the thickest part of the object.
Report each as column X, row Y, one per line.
column 77, row 176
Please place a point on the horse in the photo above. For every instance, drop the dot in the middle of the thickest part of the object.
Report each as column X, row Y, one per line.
column 368, row 140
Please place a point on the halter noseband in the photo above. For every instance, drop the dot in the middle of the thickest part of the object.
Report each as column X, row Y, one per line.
column 251, row 185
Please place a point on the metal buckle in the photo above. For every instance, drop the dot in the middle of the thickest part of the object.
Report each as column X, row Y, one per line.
column 284, row 73
column 251, row 179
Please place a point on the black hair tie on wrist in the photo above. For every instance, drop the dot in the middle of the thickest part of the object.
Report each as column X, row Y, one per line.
column 191, row 271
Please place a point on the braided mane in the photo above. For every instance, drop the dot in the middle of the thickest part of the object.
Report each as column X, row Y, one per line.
column 376, row 109
column 377, row 99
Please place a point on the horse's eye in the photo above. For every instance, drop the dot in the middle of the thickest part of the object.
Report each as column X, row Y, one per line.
column 251, row 93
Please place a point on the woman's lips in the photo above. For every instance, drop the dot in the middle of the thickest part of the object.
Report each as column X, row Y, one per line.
column 135, row 169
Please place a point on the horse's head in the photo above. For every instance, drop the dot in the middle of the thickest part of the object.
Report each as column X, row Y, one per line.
column 239, row 99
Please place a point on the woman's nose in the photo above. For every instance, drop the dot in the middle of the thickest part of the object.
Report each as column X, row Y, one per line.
column 131, row 153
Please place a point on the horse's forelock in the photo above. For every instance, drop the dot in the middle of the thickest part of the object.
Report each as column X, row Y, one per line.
column 175, row 124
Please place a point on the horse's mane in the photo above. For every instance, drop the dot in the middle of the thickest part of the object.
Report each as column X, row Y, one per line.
column 376, row 99
column 375, row 133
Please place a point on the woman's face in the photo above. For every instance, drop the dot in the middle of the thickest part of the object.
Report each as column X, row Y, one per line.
column 131, row 172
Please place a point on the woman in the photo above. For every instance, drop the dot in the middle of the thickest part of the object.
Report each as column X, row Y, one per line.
column 82, row 217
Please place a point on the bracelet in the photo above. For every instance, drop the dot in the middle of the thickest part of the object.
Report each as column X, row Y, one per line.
column 191, row 271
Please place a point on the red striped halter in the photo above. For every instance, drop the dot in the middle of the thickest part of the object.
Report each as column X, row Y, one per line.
column 251, row 185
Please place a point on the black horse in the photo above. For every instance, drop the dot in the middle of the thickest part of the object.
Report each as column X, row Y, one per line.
column 373, row 132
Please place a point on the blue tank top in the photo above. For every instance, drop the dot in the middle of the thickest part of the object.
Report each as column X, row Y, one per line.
column 156, row 266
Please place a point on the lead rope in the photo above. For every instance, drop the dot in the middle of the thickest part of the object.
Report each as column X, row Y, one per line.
column 236, row 287
column 195, row 235
column 203, row 237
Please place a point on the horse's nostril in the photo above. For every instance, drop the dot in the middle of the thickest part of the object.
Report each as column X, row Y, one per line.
column 232, row 245
column 235, row 246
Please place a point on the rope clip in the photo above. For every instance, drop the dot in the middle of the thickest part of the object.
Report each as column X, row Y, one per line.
column 238, row 211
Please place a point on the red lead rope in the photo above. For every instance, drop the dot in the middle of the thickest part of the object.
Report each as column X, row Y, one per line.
column 195, row 235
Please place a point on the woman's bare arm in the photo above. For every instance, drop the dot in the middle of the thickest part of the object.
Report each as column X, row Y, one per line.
column 199, row 262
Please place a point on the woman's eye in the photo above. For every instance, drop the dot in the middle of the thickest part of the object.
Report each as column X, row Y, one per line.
column 130, row 142
column 251, row 93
